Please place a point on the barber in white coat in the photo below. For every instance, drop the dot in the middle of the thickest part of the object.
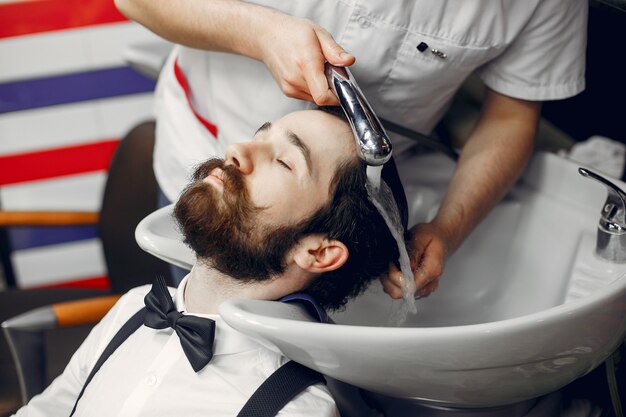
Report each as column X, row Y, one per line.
column 239, row 64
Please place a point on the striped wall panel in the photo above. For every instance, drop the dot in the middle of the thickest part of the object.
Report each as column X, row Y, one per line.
column 64, row 262
column 66, row 98
column 36, row 16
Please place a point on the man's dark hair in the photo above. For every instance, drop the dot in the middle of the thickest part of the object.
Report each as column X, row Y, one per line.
column 351, row 218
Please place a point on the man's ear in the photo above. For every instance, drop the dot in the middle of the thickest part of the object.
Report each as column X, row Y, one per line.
column 317, row 254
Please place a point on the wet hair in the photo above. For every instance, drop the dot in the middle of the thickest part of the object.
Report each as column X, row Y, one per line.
column 351, row 218
column 389, row 173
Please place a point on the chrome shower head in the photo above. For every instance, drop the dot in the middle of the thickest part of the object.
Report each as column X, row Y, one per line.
column 372, row 142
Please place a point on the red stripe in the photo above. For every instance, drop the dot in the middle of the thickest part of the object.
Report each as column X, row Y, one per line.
column 98, row 283
column 182, row 80
column 57, row 162
column 35, row 16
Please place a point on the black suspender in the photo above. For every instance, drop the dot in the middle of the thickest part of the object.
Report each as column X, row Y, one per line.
column 273, row 394
column 277, row 390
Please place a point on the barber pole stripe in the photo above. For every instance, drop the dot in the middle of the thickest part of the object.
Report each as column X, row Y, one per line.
column 36, row 249
column 35, row 16
column 63, row 263
column 96, row 283
column 72, row 124
column 66, row 95
column 56, row 162
column 33, row 237
column 70, row 51
column 72, row 88
column 74, row 192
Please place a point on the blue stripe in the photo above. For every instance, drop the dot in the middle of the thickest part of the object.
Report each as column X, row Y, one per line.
column 33, row 237
column 72, row 88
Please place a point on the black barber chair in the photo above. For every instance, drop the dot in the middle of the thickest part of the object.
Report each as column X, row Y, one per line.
column 130, row 194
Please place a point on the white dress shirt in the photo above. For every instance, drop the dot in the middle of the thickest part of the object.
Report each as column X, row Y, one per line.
column 149, row 375
column 528, row 49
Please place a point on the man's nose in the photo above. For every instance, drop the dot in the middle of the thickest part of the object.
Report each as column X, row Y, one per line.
column 240, row 155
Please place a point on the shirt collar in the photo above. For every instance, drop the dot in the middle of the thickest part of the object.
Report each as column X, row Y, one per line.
column 227, row 339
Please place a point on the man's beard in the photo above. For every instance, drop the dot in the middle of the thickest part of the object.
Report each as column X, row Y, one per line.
column 224, row 229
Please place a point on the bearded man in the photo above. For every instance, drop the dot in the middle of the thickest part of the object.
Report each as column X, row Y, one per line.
column 287, row 212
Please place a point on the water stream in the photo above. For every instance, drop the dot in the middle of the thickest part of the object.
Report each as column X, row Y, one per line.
column 382, row 198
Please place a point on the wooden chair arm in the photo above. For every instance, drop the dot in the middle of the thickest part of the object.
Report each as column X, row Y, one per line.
column 47, row 218
column 87, row 311
column 63, row 314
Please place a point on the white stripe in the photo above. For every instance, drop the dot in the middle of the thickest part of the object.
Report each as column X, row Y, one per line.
column 58, row 263
column 67, row 51
column 72, row 124
column 76, row 192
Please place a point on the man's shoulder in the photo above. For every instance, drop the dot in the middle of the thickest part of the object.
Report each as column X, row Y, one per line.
column 134, row 296
column 139, row 291
column 128, row 304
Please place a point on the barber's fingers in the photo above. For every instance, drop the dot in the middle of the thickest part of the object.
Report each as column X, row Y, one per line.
column 428, row 261
column 427, row 249
column 333, row 52
column 426, row 281
column 428, row 289
column 316, row 79
column 299, row 69
column 313, row 67
column 392, row 282
column 428, row 254
column 297, row 61
column 313, row 72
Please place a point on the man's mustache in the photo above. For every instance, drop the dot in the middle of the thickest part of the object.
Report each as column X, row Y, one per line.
column 232, row 178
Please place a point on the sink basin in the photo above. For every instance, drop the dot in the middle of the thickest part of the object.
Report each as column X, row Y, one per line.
column 524, row 306
column 157, row 234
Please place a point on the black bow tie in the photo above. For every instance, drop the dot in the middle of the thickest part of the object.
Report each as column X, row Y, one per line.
column 196, row 334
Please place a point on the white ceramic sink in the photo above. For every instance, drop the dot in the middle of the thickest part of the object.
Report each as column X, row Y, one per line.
column 158, row 235
column 523, row 309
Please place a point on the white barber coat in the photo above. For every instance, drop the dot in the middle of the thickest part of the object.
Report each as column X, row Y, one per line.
column 149, row 375
column 527, row 49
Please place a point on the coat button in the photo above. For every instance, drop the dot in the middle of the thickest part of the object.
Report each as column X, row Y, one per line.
column 364, row 22
column 151, row 380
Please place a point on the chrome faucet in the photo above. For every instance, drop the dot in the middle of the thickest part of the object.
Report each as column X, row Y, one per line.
column 372, row 142
column 611, row 237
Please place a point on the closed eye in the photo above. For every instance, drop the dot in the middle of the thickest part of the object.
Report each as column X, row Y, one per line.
column 281, row 162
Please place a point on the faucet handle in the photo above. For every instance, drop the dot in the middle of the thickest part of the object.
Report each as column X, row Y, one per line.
column 614, row 209
column 611, row 241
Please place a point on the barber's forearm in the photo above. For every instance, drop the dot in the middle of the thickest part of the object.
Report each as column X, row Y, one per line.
column 492, row 159
column 218, row 25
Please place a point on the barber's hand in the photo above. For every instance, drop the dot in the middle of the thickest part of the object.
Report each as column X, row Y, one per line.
column 428, row 253
column 295, row 50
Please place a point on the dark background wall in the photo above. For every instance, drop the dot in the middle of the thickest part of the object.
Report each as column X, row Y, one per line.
column 601, row 108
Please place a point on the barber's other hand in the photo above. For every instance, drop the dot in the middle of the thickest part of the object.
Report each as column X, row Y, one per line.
column 295, row 50
column 428, row 253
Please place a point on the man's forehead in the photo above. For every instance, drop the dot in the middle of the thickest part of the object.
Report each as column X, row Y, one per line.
column 316, row 129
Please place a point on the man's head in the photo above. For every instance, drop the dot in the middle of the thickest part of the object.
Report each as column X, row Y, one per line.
column 293, row 198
